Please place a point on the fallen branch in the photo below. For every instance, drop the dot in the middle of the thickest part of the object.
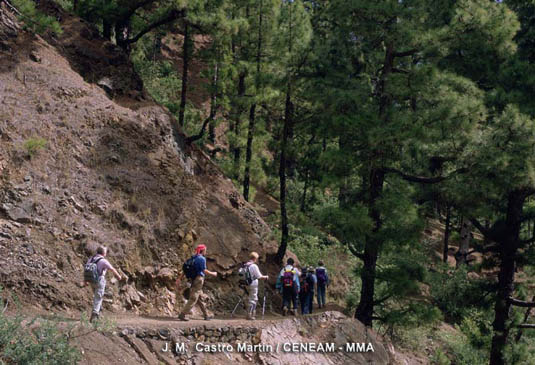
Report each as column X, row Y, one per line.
column 5, row 307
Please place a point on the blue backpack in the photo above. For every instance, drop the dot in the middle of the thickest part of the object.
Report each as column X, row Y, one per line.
column 189, row 267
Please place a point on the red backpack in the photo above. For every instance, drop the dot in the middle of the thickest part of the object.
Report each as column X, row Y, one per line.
column 288, row 279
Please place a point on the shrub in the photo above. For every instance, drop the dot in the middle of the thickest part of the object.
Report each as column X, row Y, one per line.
column 463, row 352
column 440, row 358
column 477, row 326
column 39, row 342
column 455, row 293
column 34, row 145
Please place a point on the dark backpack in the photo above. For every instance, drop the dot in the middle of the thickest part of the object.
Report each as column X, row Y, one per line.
column 288, row 279
column 189, row 267
column 309, row 283
column 91, row 270
column 321, row 274
column 245, row 274
column 305, row 288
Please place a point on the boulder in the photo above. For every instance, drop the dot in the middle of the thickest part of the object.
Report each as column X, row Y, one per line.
column 131, row 296
column 166, row 276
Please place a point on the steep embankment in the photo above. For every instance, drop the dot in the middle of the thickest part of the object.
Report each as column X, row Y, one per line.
column 78, row 169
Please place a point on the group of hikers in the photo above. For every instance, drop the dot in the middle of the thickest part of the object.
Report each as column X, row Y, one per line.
column 294, row 286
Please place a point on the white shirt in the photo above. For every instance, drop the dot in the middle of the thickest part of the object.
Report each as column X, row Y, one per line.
column 255, row 274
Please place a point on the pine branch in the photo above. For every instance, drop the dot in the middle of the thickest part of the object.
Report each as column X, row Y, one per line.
column 172, row 16
column 528, row 241
column 355, row 252
column 384, row 299
column 405, row 53
column 422, row 179
column 520, row 303
column 484, row 231
column 134, row 8
column 526, row 325
column 399, row 71
column 202, row 131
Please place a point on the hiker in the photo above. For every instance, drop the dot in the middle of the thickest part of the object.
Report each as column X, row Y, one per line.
column 196, row 276
column 323, row 282
column 255, row 275
column 97, row 279
column 310, row 283
column 288, row 286
column 302, row 291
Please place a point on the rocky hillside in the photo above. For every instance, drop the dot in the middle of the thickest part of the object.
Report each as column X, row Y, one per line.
column 87, row 159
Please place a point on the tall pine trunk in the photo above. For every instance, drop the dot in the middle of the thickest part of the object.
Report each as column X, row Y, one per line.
column 236, row 125
column 302, row 208
column 282, row 174
column 249, row 153
column 364, row 312
column 508, row 252
column 185, row 66
column 446, row 234
column 106, row 29
column 214, row 107
column 464, row 243
column 122, row 32
column 251, row 129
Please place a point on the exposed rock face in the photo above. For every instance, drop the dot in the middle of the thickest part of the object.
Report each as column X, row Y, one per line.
column 78, row 170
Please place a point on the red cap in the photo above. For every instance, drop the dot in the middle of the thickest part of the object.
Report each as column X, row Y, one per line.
column 200, row 248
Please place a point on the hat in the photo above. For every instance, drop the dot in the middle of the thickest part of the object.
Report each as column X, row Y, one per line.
column 200, row 248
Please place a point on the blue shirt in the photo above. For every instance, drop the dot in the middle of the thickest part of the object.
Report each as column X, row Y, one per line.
column 199, row 264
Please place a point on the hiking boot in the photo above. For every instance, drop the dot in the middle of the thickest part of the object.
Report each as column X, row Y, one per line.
column 94, row 317
column 207, row 318
column 182, row 317
column 292, row 312
column 284, row 311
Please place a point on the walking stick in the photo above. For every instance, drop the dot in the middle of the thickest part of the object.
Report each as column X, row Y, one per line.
column 235, row 307
column 264, row 304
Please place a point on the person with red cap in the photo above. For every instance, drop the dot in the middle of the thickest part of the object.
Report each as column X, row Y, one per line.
column 197, row 282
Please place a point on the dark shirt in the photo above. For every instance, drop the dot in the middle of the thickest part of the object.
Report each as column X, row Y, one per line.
column 200, row 265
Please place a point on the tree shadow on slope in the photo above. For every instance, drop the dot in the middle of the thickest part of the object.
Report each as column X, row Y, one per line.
column 96, row 59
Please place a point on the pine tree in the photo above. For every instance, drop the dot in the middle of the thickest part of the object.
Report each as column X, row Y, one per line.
column 392, row 106
column 293, row 41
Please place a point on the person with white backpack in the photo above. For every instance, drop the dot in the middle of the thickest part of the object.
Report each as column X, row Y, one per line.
column 252, row 275
column 95, row 273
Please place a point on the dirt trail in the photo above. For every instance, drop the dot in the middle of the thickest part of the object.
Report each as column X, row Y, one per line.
column 219, row 320
column 272, row 340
